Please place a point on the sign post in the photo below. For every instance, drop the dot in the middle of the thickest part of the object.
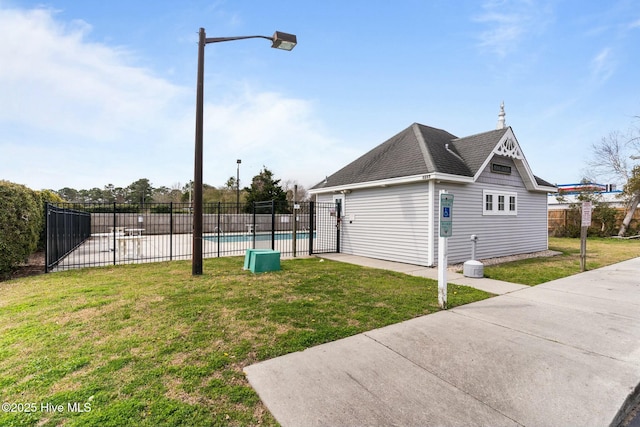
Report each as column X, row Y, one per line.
column 445, row 226
column 586, row 222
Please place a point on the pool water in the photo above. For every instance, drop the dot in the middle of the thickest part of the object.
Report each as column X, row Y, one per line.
column 233, row 238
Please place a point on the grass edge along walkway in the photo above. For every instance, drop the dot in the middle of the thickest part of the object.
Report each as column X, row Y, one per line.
column 149, row 344
column 534, row 271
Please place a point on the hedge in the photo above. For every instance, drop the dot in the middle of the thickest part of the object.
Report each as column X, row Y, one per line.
column 21, row 224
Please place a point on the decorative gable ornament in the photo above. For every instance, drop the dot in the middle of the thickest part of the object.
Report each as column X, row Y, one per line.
column 509, row 148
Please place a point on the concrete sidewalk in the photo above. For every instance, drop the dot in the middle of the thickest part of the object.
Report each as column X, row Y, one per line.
column 565, row 353
column 497, row 287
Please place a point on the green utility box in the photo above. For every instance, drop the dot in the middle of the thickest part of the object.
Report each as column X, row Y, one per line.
column 249, row 255
column 262, row 260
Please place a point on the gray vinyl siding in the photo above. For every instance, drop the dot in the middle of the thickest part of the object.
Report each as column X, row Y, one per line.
column 513, row 180
column 324, row 198
column 387, row 223
column 392, row 223
column 498, row 235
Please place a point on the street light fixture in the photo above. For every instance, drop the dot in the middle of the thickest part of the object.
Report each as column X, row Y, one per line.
column 279, row 40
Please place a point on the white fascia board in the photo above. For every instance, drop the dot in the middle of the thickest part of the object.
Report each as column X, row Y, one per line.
column 447, row 177
column 394, row 181
column 546, row 189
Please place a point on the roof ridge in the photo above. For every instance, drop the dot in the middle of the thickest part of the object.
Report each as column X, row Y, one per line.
column 431, row 127
column 428, row 159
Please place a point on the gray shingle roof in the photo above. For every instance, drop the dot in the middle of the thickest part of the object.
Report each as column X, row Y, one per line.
column 476, row 148
column 419, row 150
column 542, row 182
column 441, row 154
column 416, row 150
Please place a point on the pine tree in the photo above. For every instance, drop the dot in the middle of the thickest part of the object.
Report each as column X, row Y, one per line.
column 264, row 188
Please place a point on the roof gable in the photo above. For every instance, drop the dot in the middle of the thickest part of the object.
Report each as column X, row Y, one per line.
column 507, row 146
column 404, row 154
column 476, row 149
column 422, row 152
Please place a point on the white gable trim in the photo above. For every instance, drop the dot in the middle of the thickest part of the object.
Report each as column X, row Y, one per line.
column 508, row 147
column 445, row 177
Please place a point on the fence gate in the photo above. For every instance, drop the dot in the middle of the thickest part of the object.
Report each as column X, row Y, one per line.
column 326, row 221
column 296, row 228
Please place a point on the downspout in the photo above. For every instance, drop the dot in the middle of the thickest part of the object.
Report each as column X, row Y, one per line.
column 431, row 242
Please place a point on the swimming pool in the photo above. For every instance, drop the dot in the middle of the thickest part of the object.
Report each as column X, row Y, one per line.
column 234, row 238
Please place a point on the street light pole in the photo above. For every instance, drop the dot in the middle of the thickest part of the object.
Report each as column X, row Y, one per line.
column 238, row 186
column 279, row 40
column 196, row 262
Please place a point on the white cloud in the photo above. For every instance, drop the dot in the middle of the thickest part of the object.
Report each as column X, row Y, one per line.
column 603, row 65
column 53, row 79
column 278, row 132
column 508, row 23
column 82, row 114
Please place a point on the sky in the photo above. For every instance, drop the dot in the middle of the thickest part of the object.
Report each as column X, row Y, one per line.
column 103, row 92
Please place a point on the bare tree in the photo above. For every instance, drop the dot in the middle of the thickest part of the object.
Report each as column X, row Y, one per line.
column 611, row 157
column 631, row 188
column 290, row 185
column 615, row 158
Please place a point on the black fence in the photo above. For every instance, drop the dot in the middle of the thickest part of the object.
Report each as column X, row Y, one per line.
column 131, row 233
column 66, row 229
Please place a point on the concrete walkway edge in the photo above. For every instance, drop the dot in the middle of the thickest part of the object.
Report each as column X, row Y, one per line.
column 497, row 287
column 566, row 352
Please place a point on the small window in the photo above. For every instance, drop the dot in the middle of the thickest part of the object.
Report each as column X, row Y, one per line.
column 506, row 203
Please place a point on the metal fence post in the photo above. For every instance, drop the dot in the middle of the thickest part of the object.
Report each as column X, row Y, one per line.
column 273, row 224
column 65, row 229
column 46, row 237
column 338, row 224
column 312, row 208
column 170, row 231
column 218, row 227
column 294, row 235
column 114, row 233
column 254, row 225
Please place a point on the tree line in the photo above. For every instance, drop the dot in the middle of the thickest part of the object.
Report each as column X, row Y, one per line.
column 264, row 186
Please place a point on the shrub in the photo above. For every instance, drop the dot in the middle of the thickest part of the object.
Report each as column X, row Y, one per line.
column 21, row 215
column 164, row 208
column 604, row 219
column 46, row 196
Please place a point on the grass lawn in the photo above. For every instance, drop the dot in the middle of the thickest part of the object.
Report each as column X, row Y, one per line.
column 150, row 345
column 533, row 271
